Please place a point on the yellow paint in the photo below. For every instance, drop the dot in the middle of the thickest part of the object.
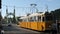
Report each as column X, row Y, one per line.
column 23, row 24
column 34, row 25
column 26, row 24
column 40, row 26
column 29, row 25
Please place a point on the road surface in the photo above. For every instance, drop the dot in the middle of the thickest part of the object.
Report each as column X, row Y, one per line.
column 14, row 29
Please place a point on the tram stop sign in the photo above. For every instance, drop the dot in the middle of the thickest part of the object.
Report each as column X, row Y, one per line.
column 0, row 4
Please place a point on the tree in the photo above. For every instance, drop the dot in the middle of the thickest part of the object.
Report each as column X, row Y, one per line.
column 0, row 16
column 56, row 14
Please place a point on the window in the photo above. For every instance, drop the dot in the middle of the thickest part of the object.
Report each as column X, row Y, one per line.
column 39, row 18
column 33, row 18
column 43, row 19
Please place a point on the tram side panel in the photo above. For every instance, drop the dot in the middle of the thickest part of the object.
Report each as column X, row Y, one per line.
column 34, row 25
column 26, row 23
column 29, row 25
column 22, row 24
column 41, row 26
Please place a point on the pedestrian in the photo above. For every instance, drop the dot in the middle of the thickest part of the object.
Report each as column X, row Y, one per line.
column 0, row 27
column 54, row 29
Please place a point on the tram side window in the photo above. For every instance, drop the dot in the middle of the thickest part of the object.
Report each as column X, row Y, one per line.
column 31, row 19
column 27, row 20
column 34, row 18
column 39, row 18
column 43, row 19
column 24, row 20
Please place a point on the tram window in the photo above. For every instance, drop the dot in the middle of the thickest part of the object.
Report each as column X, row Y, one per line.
column 27, row 20
column 43, row 19
column 20, row 20
column 34, row 18
column 39, row 18
column 31, row 19
column 24, row 20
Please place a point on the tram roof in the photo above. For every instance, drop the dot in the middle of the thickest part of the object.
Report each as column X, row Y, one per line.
column 24, row 17
column 36, row 14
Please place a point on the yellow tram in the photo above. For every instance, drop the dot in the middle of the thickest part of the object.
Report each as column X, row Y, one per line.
column 37, row 21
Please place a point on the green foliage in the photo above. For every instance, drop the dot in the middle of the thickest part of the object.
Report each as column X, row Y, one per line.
column 0, row 16
column 56, row 14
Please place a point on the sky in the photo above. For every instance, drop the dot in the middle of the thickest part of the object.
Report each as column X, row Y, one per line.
column 23, row 6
